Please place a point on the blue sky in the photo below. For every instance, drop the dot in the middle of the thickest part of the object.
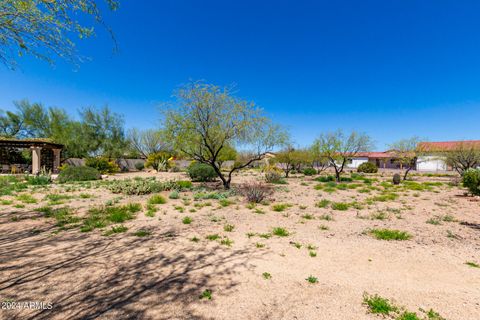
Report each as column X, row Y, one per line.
column 392, row 69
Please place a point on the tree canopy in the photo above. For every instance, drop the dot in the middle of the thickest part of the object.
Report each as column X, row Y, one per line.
column 45, row 28
column 339, row 148
column 405, row 153
column 97, row 132
column 207, row 120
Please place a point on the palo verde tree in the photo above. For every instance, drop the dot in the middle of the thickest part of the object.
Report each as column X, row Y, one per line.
column 287, row 159
column 339, row 148
column 207, row 120
column 464, row 156
column 147, row 142
column 406, row 153
column 46, row 28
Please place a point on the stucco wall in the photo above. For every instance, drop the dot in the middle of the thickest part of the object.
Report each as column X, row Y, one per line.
column 431, row 163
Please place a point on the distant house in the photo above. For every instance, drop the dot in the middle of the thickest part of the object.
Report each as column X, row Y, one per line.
column 433, row 159
column 382, row 159
column 431, row 156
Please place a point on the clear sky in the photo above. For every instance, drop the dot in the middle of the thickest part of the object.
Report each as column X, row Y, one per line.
column 392, row 69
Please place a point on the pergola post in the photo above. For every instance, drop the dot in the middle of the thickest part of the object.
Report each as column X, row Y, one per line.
column 36, row 159
column 56, row 159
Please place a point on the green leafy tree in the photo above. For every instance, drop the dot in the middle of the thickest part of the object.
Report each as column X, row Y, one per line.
column 104, row 132
column 46, row 28
column 99, row 132
column 207, row 119
column 464, row 156
column 406, row 153
column 291, row 159
column 339, row 148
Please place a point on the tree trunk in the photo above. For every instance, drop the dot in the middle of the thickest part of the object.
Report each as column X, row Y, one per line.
column 226, row 184
column 405, row 175
column 337, row 175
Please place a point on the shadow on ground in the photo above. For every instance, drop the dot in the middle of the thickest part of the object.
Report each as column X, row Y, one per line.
column 87, row 276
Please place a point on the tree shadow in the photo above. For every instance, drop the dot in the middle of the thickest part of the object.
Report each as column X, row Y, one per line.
column 87, row 276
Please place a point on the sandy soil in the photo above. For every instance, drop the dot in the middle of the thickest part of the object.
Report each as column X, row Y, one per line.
column 161, row 276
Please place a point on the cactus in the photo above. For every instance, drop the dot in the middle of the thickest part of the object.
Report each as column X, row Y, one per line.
column 396, row 179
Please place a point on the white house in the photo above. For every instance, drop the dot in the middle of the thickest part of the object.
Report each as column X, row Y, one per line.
column 432, row 159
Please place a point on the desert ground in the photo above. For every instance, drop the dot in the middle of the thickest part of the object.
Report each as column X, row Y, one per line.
column 309, row 252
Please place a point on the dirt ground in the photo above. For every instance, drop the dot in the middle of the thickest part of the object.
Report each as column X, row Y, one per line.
column 87, row 275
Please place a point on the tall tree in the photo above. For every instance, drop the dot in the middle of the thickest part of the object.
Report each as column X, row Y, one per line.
column 104, row 131
column 290, row 159
column 405, row 153
column 207, row 119
column 339, row 148
column 466, row 155
column 148, row 142
column 46, row 28
column 99, row 131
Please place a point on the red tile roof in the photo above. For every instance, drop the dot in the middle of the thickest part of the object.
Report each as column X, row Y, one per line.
column 376, row 154
column 448, row 145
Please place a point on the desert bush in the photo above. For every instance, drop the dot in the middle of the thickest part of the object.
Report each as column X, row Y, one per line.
column 183, row 184
column 201, row 172
column 139, row 166
column 140, row 186
column 388, row 234
column 255, row 192
column 102, row 216
column 81, row 173
column 309, row 171
column 471, row 180
column 274, row 176
column 396, row 179
column 367, row 167
column 40, row 180
column 103, row 165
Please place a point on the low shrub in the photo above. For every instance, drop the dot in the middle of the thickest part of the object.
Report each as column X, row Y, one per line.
column 255, row 192
column 103, row 165
column 103, row 216
column 201, row 172
column 64, row 216
column 367, row 167
column 139, row 166
column 274, row 176
column 378, row 305
column 10, row 184
column 309, row 171
column 82, row 173
column 140, row 186
column 212, row 195
column 157, row 199
column 341, row 206
column 396, row 179
column 182, row 184
column 322, row 203
column 388, row 234
column 39, row 180
column 280, row 232
column 471, row 181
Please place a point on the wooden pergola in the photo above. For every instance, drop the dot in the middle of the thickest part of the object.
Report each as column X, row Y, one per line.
column 45, row 153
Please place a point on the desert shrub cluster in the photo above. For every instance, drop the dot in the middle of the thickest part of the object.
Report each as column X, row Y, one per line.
column 367, row 167
column 255, row 192
column 201, row 172
column 145, row 186
column 81, row 173
column 103, row 165
column 471, row 181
